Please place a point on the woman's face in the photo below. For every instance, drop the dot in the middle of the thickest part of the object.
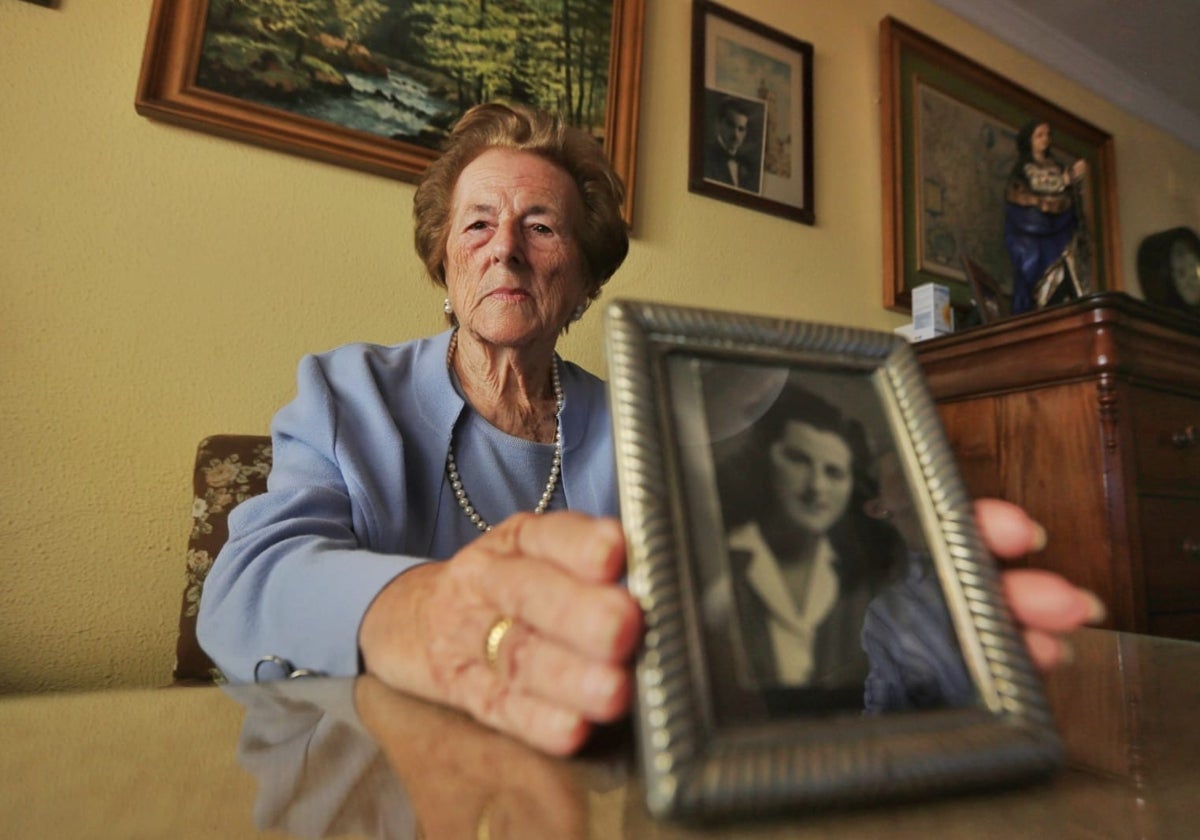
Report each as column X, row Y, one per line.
column 514, row 268
column 812, row 476
column 1039, row 141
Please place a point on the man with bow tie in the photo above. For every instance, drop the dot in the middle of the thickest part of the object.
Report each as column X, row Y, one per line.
column 728, row 159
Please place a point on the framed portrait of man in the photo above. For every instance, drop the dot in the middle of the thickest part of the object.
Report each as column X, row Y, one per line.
column 751, row 114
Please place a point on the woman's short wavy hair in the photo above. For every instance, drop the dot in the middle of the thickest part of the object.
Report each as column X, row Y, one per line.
column 797, row 404
column 603, row 237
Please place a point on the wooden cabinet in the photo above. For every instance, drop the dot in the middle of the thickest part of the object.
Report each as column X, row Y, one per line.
column 1088, row 415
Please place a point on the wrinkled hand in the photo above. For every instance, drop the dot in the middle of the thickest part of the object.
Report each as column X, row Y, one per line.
column 1045, row 605
column 563, row 665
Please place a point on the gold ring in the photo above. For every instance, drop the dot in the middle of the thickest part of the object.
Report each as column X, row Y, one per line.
column 495, row 635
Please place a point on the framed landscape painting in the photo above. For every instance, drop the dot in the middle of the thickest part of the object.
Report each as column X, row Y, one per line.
column 376, row 84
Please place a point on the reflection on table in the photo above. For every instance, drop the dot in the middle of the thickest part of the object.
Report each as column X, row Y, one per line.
column 323, row 758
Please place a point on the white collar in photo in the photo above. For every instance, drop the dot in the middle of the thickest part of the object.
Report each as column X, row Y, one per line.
column 792, row 621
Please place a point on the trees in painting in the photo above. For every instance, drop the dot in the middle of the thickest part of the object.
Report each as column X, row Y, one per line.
column 299, row 54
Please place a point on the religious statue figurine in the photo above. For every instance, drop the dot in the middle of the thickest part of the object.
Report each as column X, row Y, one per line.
column 1042, row 230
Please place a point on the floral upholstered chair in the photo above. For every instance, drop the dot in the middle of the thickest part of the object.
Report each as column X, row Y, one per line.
column 229, row 469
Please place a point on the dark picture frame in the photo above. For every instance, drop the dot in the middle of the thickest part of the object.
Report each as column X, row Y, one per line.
column 948, row 136
column 720, row 736
column 760, row 77
column 290, row 84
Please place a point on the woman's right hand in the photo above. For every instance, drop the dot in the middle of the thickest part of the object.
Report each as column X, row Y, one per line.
column 564, row 663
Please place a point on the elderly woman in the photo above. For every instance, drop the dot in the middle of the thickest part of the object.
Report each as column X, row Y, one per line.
column 374, row 548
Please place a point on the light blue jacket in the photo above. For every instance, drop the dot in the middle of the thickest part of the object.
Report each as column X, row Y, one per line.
column 357, row 495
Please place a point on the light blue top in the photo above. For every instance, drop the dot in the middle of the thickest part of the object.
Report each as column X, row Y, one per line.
column 358, row 494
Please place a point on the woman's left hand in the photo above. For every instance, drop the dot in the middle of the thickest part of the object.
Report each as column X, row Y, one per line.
column 1045, row 605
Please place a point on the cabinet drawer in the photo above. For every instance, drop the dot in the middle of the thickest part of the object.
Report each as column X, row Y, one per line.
column 1171, row 553
column 1166, row 430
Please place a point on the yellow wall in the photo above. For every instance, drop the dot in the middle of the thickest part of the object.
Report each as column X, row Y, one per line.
column 158, row 284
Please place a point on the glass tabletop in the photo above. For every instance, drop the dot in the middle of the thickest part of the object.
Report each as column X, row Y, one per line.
column 351, row 758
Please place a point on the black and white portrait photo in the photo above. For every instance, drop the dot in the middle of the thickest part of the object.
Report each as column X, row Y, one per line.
column 823, row 585
column 733, row 151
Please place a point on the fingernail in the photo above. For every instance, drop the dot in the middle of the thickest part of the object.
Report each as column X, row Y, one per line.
column 561, row 722
column 1039, row 537
column 1096, row 611
column 1066, row 652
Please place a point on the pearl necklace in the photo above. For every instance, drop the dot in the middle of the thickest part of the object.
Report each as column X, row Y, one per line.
column 460, row 492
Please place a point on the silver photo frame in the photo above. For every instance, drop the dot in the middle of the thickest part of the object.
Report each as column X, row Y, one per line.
column 892, row 670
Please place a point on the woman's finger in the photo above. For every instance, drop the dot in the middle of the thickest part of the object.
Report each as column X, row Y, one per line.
column 601, row 622
column 590, row 548
column 515, row 572
column 496, row 698
column 529, row 580
column 547, row 726
column 1045, row 649
column 535, row 664
column 1042, row 600
column 1007, row 529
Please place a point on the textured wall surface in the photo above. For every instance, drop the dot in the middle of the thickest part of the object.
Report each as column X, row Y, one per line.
column 158, row 284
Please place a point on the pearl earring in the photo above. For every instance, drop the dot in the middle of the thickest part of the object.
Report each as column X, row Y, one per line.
column 446, row 307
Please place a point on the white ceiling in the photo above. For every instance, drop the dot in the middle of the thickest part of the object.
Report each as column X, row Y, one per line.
column 1142, row 55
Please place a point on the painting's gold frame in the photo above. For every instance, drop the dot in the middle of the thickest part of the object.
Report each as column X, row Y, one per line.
column 167, row 91
column 697, row 765
column 906, row 55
